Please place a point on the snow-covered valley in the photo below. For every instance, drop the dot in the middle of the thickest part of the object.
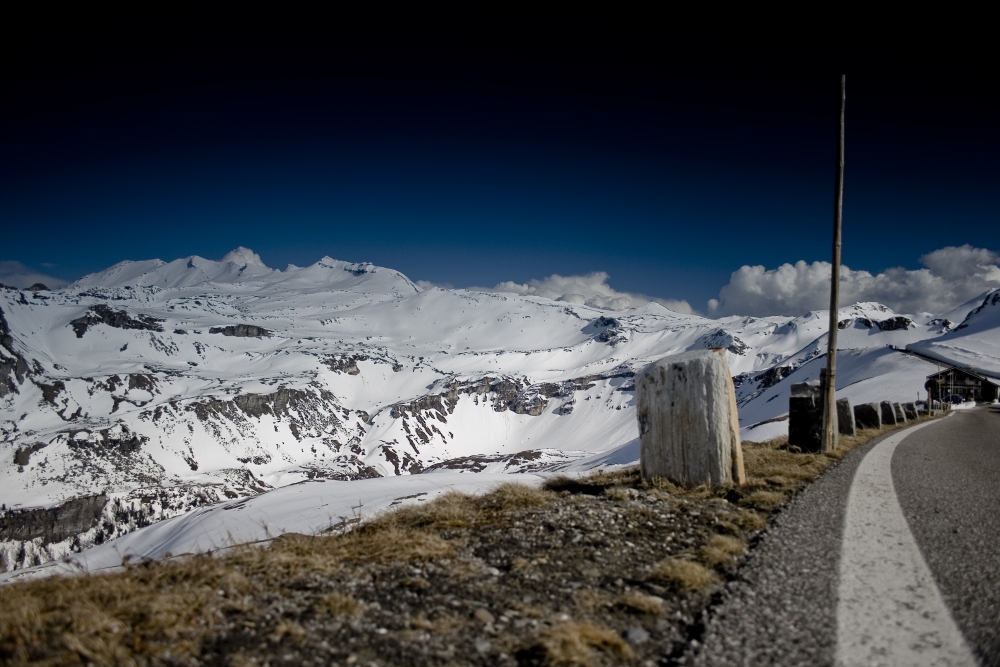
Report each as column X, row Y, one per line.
column 154, row 390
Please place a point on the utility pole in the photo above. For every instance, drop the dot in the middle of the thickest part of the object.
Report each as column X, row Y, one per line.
column 830, row 430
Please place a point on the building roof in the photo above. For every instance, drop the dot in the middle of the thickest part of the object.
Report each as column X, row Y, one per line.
column 966, row 371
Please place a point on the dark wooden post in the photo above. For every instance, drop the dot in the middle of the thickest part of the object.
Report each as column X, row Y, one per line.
column 830, row 385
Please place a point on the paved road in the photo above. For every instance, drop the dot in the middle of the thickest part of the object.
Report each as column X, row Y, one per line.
column 934, row 528
column 947, row 481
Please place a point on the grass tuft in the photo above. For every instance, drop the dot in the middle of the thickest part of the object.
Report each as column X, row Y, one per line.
column 511, row 497
column 637, row 601
column 572, row 644
column 683, row 574
column 340, row 604
column 722, row 549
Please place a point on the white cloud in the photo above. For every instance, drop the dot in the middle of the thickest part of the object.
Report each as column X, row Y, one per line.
column 950, row 277
column 590, row 290
column 425, row 285
column 16, row 274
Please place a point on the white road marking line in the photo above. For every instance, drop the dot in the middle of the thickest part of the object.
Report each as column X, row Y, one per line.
column 889, row 610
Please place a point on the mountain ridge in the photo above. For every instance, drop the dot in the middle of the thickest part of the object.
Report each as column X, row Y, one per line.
column 350, row 371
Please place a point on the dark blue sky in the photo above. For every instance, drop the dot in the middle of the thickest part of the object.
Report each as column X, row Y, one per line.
column 474, row 161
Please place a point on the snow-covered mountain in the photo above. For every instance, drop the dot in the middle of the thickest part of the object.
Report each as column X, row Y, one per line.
column 151, row 388
column 974, row 342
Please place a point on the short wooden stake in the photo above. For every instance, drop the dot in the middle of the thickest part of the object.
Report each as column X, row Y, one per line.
column 689, row 431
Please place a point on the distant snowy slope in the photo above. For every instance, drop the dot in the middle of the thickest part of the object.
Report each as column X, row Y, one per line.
column 154, row 388
column 975, row 343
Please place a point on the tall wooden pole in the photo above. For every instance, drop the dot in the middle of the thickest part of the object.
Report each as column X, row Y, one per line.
column 830, row 430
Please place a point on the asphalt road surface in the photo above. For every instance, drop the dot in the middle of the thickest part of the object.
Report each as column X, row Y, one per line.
column 892, row 557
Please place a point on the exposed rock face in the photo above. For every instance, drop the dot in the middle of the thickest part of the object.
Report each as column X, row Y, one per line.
column 892, row 324
column 53, row 524
column 254, row 405
column 909, row 410
column 346, row 363
column 805, row 416
column 724, row 339
column 689, row 430
column 888, row 414
column 897, row 409
column 120, row 319
column 241, row 331
column 38, row 287
column 13, row 366
column 868, row 415
column 612, row 330
column 526, row 461
column 943, row 323
column 895, row 323
column 23, row 454
column 845, row 417
column 773, row 376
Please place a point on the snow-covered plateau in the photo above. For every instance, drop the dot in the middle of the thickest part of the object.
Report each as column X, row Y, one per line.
column 162, row 407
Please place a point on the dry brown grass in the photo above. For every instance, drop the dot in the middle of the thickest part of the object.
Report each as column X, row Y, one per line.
column 638, row 601
column 511, row 497
column 590, row 600
column 147, row 610
column 576, row 644
column 340, row 604
column 617, row 493
column 722, row 549
column 683, row 575
column 159, row 608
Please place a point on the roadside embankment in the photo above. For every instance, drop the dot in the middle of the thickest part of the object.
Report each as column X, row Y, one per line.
column 601, row 570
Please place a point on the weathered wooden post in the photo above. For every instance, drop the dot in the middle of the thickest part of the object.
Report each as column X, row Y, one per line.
column 805, row 416
column 845, row 417
column 888, row 414
column 830, row 428
column 689, row 431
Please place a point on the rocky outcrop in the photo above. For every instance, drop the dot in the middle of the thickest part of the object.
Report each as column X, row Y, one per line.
column 308, row 412
column 345, row 363
column 14, row 367
column 909, row 410
column 527, row 461
column 774, row 375
column 38, row 287
column 720, row 338
column 276, row 404
column 23, row 454
column 241, row 331
column 898, row 323
column 609, row 330
column 53, row 524
column 119, row 319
